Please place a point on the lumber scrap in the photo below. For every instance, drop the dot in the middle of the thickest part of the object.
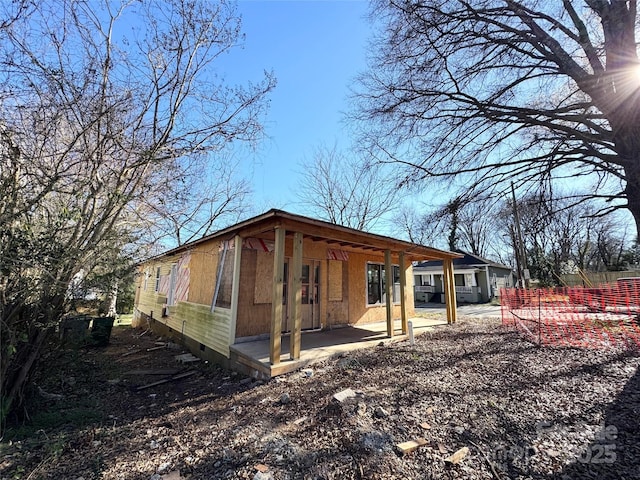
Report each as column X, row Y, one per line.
column 457, row 456
column 168, row 379
column 411, row 445
column 171, row 371
column 159, row 347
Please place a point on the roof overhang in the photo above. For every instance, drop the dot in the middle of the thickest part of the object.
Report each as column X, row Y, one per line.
column 263, row 226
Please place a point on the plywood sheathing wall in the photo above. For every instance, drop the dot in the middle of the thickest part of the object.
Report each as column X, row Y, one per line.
column 335, row 280
column 337, row 293
column 254, row 301
column 203, row 266
column 342, row 289
column 254, row 309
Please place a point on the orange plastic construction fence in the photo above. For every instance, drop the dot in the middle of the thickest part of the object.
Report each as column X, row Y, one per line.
column 605, row 316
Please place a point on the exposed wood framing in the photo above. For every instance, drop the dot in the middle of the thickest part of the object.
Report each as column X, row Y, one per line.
column 388, row 270
column 235, row 288
column 295, row 297
column 403, row 296
column 276, row 299
column 450, row 290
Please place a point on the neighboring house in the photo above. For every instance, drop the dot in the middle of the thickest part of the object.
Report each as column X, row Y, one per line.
column 274, row 274
column 477, row 280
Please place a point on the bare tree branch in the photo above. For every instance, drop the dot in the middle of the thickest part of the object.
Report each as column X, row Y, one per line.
column 487, row 92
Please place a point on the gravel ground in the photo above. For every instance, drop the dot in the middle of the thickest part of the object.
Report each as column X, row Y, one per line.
column 510, row 409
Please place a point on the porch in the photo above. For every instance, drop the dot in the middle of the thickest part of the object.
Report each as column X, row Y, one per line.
column 253, row 357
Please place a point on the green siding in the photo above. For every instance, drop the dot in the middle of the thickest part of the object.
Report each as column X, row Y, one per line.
column 150, row 301
column 197, row 322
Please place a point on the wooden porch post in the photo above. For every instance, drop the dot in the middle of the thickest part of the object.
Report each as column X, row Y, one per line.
column 295, row 297
column 235, row 287
column 450, row 290
column 276, row 298
column 403, row 298
column 388, row 284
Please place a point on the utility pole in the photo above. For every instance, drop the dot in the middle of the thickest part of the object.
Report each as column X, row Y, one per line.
column 521, row 254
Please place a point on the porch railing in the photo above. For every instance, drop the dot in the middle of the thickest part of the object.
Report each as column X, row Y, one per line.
column 464, row 289
column 425, row 288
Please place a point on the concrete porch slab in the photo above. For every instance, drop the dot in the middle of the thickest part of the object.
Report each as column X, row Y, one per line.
column 253, row 357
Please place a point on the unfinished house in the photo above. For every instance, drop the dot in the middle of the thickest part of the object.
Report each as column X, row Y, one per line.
column 274, row 293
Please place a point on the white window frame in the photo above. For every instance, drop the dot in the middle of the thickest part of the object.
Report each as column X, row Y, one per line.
column 470, row 280
column 172, row 285
column 157, row 286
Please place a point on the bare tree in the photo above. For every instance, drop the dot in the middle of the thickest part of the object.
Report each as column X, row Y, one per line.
column 180, row 216
column 344, row 190
column 467, row 224
column 492, row 91
column 561, row 237
column 416, row 226
column 106, row 108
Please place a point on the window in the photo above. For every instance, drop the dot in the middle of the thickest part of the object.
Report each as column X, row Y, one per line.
column 470, row 280
column 172, row 285
column 376, row 282
column 157, row 279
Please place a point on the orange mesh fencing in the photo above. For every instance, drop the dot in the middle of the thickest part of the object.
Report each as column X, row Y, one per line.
column 606, row 316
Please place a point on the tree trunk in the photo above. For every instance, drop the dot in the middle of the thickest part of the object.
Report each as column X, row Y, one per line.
column 633, row 192
column 16, row 383
column 111, row 300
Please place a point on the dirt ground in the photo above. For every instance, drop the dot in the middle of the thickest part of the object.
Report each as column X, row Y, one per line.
column 509, row 409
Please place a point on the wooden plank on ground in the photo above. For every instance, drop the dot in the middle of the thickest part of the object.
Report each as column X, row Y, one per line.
column 172, row 371
column 411, row 445
column 153, row 349
column 457, row 456
column 344, row 394
column 167, row 380
column 132, row 352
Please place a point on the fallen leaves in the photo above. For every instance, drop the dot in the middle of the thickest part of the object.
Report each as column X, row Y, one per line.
column 497, row 408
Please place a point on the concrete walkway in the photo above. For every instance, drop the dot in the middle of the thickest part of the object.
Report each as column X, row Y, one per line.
column 476, row 311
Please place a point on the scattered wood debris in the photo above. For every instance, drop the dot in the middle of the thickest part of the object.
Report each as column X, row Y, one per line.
column 211, row 426
column 131, row 352
column 411, row 445
column 300, row 420
column 165, row 371
column 159, row 347
column 343, row 395
column 167, row 380
column 186, row 358
column 457, row 456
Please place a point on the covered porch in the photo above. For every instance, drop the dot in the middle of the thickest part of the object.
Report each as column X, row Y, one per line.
column 295, row 242
column 254, row 357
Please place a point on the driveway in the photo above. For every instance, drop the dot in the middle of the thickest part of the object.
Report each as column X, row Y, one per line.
column 476, row 311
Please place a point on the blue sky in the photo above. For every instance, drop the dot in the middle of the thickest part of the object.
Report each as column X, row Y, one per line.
column 315, row 49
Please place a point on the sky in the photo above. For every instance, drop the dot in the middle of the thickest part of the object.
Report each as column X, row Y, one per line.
column 315, row 49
